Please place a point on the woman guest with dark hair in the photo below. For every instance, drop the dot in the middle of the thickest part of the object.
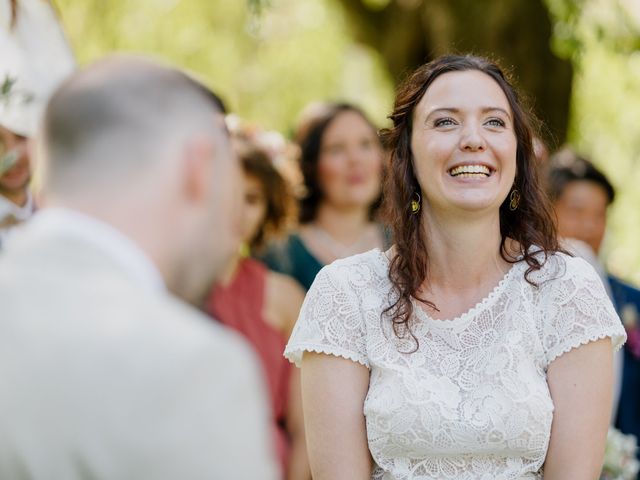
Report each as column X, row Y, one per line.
column 341, row 162
column 451, row 355
column 263, row 305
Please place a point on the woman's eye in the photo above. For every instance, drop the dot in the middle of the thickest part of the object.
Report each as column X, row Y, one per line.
column 252, row 198
column 443, row 122
column 496, row 122
column 367, row 144
column 334, row 149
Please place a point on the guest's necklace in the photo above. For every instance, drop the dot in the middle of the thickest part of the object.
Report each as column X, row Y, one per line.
column 337, row 248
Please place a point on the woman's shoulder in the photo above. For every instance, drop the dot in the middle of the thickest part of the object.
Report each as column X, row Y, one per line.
column 282, row 254
column 284, row 245
column 558, row 266
column 359, row 269
column 562, row 278
column 335, row 315
column 284, row 297
column 573, row 306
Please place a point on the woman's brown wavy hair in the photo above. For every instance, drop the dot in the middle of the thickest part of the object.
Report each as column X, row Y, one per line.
column 531, row 225
column 280, row 201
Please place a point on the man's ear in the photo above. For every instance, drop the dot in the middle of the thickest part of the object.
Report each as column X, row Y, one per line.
column 197, row 168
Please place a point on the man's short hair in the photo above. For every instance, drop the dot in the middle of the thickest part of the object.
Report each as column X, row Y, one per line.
column 566, row 166
column 118, row 115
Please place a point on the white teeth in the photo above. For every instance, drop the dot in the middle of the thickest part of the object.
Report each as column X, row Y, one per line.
column 470, row 170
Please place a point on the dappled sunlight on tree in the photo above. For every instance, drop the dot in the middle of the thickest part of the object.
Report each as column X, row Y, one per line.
column 602, row 37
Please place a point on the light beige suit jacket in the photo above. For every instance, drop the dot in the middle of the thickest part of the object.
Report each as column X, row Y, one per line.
column 103, row 379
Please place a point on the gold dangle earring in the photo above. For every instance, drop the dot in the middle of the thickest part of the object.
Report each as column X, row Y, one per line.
column 514, row 200
column 416, row 203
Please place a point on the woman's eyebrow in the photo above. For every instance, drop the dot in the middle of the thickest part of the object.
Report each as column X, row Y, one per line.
column 496, row 109
column 457, row 110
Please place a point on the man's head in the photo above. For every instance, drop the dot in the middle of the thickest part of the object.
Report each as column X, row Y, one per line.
column 581, row 194
column 145, row 148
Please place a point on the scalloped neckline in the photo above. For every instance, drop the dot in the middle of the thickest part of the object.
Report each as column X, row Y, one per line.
column 480, row 306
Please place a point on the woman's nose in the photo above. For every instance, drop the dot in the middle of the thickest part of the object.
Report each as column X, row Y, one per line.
column 472, row 139
column 357, row 154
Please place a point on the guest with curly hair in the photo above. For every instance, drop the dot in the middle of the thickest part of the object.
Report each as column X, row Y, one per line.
column 263, row 305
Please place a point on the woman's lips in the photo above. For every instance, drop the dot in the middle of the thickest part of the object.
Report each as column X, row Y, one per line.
column 356, row 179
column 16, row 172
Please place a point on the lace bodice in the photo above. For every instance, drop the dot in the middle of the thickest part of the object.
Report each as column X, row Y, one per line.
column 472, row 402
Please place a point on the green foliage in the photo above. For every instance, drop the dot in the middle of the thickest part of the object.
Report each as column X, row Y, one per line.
column 580, row 24
column 602, row 37
column 10, row 94
column 376, row 4
column 266, row 58
column 5, row 88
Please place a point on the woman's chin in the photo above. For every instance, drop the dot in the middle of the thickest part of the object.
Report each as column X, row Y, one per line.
column 15, row 182
column 357, row 201
column 476, row 205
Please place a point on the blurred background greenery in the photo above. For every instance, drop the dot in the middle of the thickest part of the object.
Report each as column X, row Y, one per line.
column 577, row 61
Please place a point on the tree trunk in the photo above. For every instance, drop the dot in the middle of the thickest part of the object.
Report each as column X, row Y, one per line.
column 408, row 33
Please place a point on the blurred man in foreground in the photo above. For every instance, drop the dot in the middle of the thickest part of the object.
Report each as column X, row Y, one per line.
column 103, row 372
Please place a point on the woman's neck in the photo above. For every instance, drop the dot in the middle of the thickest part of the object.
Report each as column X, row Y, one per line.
column 463, row 253
column 338, row 233
column 345, row 225
column 230, row 271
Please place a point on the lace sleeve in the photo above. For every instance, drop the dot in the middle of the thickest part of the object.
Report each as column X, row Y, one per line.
column 331, row 320
column 578, row 311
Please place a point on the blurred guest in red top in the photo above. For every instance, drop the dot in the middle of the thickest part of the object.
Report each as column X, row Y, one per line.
column 263, row 305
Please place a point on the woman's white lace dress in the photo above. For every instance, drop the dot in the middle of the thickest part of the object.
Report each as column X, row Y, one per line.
column 473, row 401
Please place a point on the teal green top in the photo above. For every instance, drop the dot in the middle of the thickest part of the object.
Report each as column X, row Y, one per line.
column 293, row 258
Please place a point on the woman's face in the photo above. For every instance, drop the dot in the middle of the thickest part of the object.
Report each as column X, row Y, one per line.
column 464, row 144
column 350, row 163
column 254, row 207
column 582, row 212
column 18, row 176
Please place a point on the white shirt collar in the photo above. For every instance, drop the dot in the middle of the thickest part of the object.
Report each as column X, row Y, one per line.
column 118, row 246
column 7, row 207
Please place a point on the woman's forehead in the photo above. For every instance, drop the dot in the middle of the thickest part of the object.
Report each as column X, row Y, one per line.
column 463, row 90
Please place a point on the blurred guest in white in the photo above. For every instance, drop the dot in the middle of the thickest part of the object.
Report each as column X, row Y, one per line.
column 34, row 58
column 104, row 373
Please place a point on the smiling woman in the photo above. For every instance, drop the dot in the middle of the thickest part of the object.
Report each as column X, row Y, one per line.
column 451, row 355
